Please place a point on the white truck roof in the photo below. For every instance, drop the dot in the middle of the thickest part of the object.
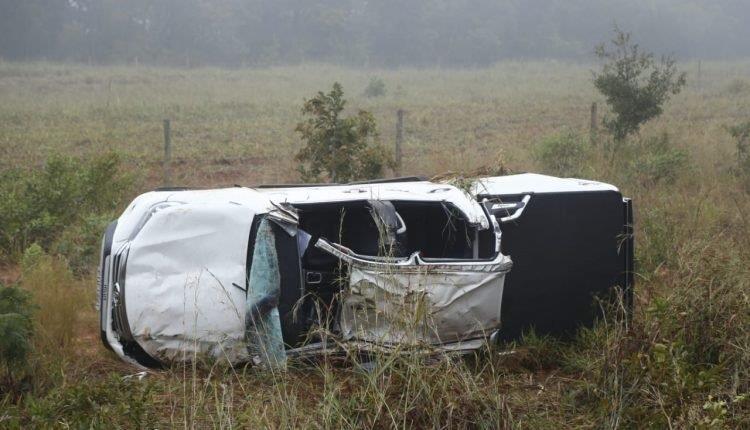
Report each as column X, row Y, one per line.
column 527, row 183
column 393, row 191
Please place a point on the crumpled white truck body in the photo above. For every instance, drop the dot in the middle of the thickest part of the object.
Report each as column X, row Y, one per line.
column 413, row 263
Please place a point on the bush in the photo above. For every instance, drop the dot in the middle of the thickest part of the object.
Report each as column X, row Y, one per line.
column 80, row 243
column 563, row 154
column 36, row 206
column 15, row 330
column 114, row 402
column 656, row 161
column 341, row 148
column 635, row 85
column 376, row 88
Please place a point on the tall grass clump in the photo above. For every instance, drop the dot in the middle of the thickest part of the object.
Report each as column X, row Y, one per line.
column 39, row 322
column 658, row 371
column 682, row 360
column 58, row 297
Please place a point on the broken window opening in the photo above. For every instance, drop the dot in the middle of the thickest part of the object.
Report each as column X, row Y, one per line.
column 323, row 276
column 438, row 230
column 312, row 280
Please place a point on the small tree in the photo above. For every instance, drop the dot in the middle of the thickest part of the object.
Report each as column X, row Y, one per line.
column 635, row 85
column 342, row 148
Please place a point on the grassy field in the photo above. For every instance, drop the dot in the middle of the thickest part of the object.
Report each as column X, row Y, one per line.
column 682, row 361
column 238, row 125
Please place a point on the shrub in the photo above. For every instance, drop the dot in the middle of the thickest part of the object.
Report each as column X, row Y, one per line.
column 563, row 154
column 80, row 243
column 635, row 85
column 342, row 148
column 376, row 88
column 114, row 402
column 36, row 206
column 31, row 258
column 15, row 329
column 657, row 161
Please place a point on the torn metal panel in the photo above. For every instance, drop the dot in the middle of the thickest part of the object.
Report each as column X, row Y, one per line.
column 425, row 305
column 415, row 261
column 414, row 301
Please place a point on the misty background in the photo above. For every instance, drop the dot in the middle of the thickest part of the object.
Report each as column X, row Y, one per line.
column 384, row 33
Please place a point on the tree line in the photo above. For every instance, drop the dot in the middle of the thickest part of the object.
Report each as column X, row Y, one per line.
column 360, row 32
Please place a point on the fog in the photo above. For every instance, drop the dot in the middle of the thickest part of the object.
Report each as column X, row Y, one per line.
column 385, row 33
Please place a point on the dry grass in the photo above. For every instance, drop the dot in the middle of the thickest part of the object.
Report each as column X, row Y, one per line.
column 237, row 125
column 683, row 361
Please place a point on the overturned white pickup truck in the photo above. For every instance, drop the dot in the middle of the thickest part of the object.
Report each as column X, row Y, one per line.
column 257, row 274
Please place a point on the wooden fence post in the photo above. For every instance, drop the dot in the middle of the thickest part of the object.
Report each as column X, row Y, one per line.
column 593, row 127
column 167, row 153
column 399, row 140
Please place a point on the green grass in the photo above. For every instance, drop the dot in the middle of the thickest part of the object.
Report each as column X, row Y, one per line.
column 683, row 361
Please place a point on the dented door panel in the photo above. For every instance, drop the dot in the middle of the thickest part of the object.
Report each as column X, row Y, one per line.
column 417, row 302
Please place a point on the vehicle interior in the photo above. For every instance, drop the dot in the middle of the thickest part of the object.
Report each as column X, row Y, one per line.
column 312, row 278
